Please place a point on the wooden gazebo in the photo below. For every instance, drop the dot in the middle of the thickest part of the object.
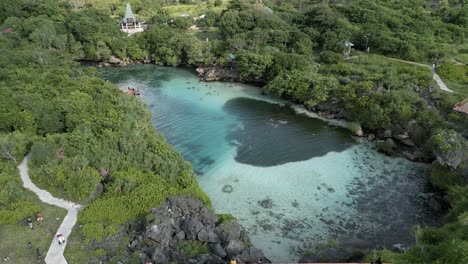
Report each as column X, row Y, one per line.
column 130, row 24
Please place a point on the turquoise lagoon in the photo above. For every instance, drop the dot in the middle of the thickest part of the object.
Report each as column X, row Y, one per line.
column 291, row 180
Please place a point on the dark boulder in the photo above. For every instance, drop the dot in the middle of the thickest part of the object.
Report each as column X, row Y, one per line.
column 208, row 235
column 184, row 223
column 234, row 247
column 218, row 250
column 191, row 227
column 228, row 230
column 251, row 254
column 161, row 233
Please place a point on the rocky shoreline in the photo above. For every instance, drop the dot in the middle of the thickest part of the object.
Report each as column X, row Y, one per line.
column 183, row 230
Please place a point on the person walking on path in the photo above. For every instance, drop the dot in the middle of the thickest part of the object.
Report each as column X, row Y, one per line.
column 29, row 245
column 60, row 239
column 38, row 253
column 54, row 254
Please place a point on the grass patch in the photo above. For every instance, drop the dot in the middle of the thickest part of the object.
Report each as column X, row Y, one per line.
column 463, row 58
column 442, row 177
column 224, row 217
column 455, row 77
column 387, row 256
column 15, row 237
column 377, row 68
column 79, row 250
column 194, row 248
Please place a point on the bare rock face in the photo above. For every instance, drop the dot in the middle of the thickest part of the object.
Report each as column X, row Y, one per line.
column 182, row 221
column 210, row 74
column 114, row 60
column 234, row 247
column 387, row 133
column 359, row 133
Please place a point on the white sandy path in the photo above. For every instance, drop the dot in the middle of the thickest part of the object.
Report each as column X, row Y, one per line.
column 435, row 76
column 55, row 252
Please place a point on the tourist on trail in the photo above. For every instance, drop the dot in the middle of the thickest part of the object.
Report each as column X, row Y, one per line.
column 29, row 245
column 233, row 261
column 378, row 261
column 60, row 239
column 39, row 217
column 38, row 253
column 30, row 223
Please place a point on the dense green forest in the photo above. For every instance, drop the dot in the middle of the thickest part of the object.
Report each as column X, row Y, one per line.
column 92, row 144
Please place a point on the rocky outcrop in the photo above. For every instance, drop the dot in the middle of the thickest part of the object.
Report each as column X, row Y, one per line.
column 114, row 60
column 183, row 230
column 214, row 73
column 449, row 148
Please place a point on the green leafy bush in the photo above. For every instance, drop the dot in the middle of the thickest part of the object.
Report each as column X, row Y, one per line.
column 225, row 217
column 194, row 248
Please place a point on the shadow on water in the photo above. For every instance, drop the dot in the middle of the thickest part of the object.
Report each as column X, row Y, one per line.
column 271, row 134
column 139, row 74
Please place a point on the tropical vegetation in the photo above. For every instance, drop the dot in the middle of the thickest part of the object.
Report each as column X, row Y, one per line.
column 92, row 144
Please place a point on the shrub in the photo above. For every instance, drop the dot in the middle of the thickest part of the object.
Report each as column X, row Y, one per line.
column 193, row 248
column 354, row 127
column 17, row 211
column 330, row 57
column 97, row 231
column 387, row 256
column 443, row 177
column 463, row 58
column 225, row 217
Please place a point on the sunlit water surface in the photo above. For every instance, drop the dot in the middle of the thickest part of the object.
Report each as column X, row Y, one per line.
column 291, row 180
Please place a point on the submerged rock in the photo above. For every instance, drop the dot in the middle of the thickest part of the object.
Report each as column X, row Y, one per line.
column 267, row 203
column 388, row 146
column 228, row 188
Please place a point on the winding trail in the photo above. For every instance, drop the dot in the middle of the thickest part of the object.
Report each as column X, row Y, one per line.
column 435, row 76
column 55, row 252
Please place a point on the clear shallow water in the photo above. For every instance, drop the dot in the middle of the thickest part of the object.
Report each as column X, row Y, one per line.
column 291, row 180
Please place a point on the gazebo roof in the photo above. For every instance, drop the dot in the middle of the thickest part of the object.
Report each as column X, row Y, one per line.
column 129, row 16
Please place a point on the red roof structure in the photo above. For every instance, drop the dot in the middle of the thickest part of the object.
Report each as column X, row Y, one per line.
column 461, row 107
